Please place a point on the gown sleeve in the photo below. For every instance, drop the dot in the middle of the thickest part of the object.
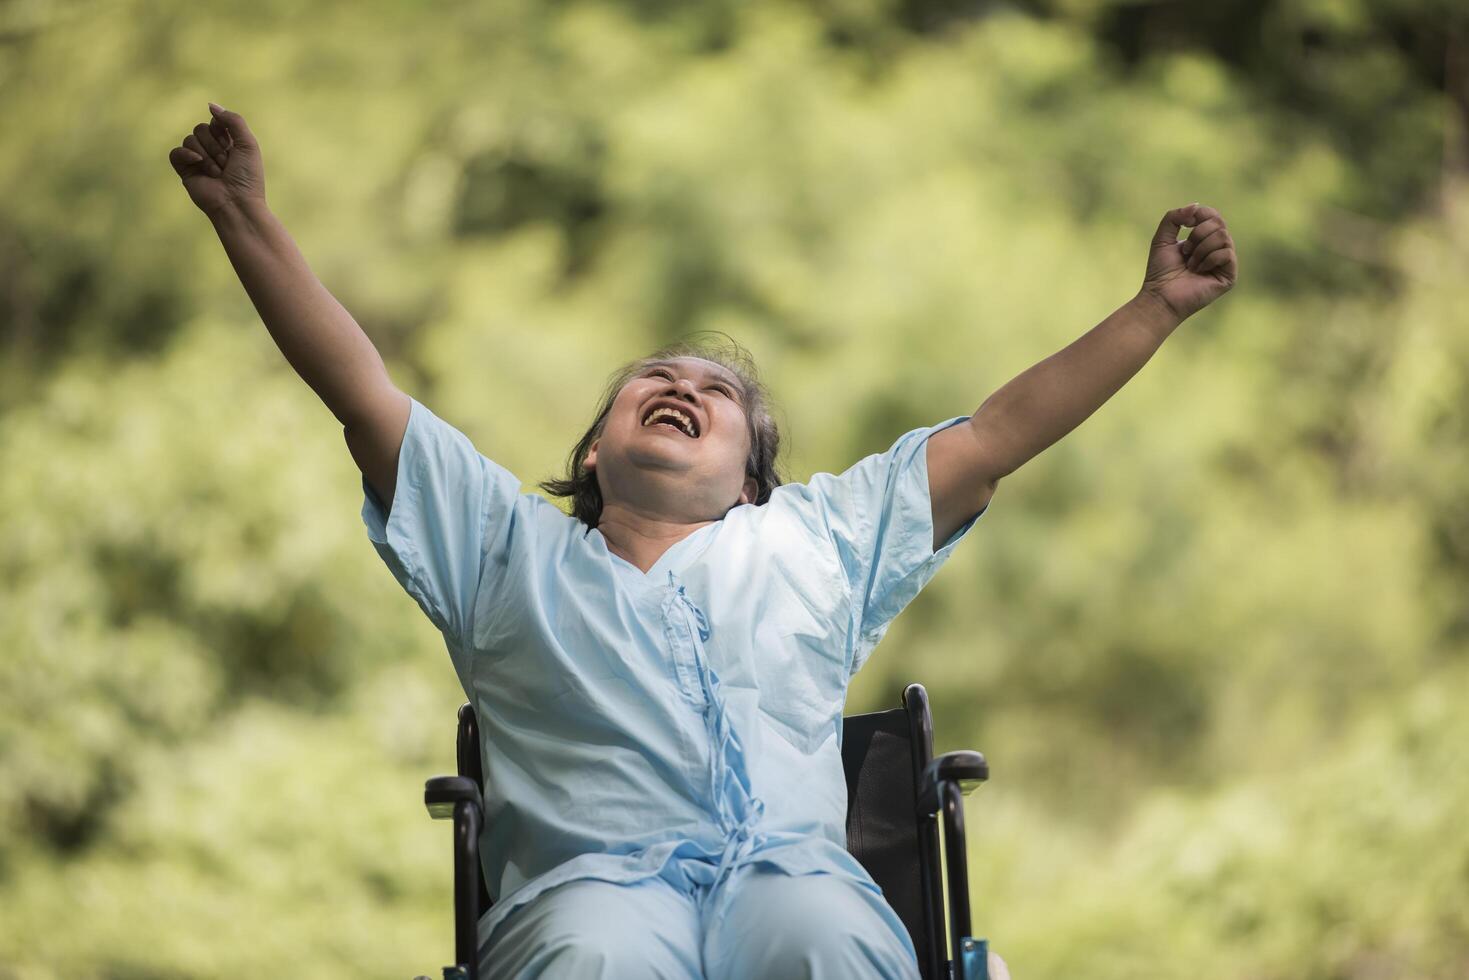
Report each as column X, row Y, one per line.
column 453, row 517
column 879, row 516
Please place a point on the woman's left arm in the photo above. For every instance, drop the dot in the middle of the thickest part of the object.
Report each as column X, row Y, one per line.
column 1039, row 406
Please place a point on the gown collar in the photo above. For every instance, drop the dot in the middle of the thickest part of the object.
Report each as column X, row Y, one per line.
column 677, row 556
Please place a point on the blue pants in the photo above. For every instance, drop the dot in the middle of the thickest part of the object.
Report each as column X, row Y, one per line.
column 774, row 927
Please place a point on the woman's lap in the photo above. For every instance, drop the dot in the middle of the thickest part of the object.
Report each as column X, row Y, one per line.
column 804, row 927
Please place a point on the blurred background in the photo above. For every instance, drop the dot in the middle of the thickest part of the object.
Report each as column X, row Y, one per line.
column 1215, row 643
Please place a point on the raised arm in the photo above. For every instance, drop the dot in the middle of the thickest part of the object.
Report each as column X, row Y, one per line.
column 1046, row 401
column 221, row 167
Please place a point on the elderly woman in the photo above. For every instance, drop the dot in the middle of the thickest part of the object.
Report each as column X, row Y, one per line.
column 660, row 674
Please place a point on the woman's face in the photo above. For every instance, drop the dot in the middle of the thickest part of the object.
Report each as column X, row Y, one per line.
column 696, row 476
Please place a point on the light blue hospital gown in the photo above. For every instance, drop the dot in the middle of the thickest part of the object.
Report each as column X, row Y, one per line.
column 682, row 723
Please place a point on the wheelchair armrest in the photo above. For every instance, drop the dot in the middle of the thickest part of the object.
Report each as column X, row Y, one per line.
column 441, row 793
column 942, row 786
column 458, row 798
column 967, row 768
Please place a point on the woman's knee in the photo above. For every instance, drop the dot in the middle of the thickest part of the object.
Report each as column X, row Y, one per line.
column 595, row 929
column 812, row 926
column 812, row 920
column 820, row 945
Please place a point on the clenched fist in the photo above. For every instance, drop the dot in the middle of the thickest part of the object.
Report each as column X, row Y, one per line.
column 220, row 163
column 1189, row 275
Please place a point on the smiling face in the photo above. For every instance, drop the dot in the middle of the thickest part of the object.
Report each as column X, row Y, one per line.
column 660, row 466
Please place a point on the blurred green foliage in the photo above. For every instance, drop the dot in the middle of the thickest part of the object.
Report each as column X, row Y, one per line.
column 1214, row 642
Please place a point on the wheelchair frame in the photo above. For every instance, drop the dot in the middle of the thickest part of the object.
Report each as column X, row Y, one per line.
column 940, row 787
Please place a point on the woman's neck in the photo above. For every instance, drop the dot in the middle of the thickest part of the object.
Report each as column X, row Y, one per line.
column 641, row 539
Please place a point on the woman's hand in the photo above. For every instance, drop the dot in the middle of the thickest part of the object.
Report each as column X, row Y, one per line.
column 1189, row 275
column 220, row 163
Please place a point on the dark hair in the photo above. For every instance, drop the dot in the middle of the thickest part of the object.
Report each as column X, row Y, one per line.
column 581, row 484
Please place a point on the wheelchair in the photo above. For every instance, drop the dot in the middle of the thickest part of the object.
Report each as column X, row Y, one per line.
column 896, row 790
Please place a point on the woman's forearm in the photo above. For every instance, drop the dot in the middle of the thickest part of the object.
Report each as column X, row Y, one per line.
column 316, row 334
column 1046, row 401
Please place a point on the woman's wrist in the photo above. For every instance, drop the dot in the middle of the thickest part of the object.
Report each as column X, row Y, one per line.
column 239, row 213
column 1155, row 313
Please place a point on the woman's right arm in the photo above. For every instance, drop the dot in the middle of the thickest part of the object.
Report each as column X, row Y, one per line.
column 315, row 333
column 221, row 167
column 319, row 338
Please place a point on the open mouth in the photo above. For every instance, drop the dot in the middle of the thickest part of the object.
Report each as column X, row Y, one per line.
column 673, row 418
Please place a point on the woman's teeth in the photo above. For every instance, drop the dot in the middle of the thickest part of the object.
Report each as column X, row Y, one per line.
column 664, row 414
